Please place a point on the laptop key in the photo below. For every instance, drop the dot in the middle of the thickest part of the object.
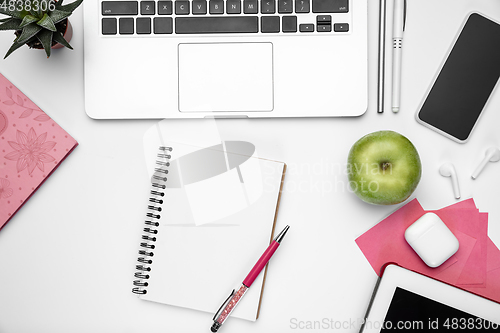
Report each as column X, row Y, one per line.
column 109, row 26
column 181, row 7
column 341, row 27
column 199, row 7
column 324, row 19
column 119, row 7
column 250, row 7
column 233, row 6
column 330, row 6
column 284, row 6
column 289, row 23
column 165, row 7
column 143, row 25
column 147, row 7
column 162, row 25
column 268, row 7
column 126, row 26
column 216, row 24
column 216, row 6
column 270, row 24
column 302, row 6
column 306, row 27
column 324, row 27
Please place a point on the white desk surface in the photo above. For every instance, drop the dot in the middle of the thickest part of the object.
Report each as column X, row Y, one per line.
column 67, row 257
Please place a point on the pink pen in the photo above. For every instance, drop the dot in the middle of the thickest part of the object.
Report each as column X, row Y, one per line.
column 230, row 303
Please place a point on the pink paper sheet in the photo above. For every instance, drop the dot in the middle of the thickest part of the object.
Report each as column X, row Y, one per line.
column 32, row 145
column 476, row 270
column 474, row 224
column 492, row 289
column 493, row 256
column 385, row 243
column 452, row 273
column 464, row 204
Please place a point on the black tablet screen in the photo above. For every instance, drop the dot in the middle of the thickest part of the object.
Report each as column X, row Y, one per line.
column 410, row 312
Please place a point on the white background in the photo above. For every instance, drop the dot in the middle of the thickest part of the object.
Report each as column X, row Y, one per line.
column 67, row 258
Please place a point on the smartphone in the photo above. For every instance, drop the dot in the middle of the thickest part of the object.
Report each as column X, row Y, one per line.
column 465, row 81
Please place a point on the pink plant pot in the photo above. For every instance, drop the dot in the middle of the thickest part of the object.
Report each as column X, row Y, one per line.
column 67, row 36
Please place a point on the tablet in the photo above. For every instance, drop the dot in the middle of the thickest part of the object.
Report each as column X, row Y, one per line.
column 407, row 301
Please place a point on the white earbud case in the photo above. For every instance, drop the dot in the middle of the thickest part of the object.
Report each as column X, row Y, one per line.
column 432, row 240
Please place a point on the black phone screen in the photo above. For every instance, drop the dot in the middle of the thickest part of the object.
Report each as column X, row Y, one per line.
column 466, row 80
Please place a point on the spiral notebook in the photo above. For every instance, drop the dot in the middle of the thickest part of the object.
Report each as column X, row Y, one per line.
column 210, row 213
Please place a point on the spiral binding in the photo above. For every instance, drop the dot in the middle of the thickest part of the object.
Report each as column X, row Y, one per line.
column 151, row 223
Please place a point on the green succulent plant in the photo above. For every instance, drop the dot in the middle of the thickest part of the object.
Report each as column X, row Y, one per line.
column 37, row 23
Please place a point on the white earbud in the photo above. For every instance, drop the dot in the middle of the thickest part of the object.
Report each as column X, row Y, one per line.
column 448, row 170
column 492, row 155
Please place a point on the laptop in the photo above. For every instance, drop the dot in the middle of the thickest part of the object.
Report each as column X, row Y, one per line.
column 225, row 58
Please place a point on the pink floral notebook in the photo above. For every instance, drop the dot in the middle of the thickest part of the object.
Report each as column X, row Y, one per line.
column 32, row 146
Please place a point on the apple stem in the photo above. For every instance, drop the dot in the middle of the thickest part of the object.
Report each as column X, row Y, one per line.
column 386, row 165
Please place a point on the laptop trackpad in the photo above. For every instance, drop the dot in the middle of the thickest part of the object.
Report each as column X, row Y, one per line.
column 226, row 77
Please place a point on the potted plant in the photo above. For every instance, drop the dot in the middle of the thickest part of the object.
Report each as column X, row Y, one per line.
column 40, row 24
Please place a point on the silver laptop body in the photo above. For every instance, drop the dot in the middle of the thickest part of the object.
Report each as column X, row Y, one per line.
column 225, row 58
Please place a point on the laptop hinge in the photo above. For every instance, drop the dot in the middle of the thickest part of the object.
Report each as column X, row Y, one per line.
column 226, row 117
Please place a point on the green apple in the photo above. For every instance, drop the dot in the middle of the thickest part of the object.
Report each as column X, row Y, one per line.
column 383, row 168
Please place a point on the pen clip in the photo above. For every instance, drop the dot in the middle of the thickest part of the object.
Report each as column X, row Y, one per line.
column 223, row 305
column 404, row 15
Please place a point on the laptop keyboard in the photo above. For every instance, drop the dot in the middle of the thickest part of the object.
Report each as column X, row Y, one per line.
column 192, row 17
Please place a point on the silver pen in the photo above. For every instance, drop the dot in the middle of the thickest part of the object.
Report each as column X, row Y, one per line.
column 397, row 40
column 381, row 56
